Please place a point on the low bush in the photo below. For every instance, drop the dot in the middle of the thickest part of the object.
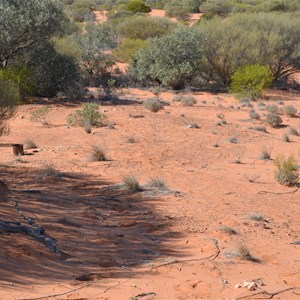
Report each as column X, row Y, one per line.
column 97, row 154
column 153, row 104
column 90, row 113
column 188, row 101
column 273, row 120
column 136, row 6
column 287, row 171
column 290, row 110
column 250, row 81
column 131, row 184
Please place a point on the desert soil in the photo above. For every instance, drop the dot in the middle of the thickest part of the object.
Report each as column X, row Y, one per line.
column 117, row 245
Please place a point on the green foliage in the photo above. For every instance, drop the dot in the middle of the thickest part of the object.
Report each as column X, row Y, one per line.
column 137, row 6
column 24, row 24
column 67, row 47
column 181, row 9
column 127, row 49
column 90, row 113
column 9, row 96
column 144, row 27
column 39, row 115
column 249, row 81
column 52, row 72
column 171, row 60
column 94, row 44
column 269, row 39
column 21, row 77
column 287, row 171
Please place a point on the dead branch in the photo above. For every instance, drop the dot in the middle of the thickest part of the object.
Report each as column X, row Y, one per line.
column 277, row 193
column 142, row 295
column 37, row 233
column 56, row 295
column 268, row 294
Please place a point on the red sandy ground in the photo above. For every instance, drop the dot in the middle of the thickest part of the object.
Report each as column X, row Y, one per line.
column 114, row 240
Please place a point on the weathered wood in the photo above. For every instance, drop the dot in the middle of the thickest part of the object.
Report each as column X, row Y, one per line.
column 37, row 233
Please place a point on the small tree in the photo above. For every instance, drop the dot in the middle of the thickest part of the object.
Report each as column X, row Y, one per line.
column 249, row 81
column 9, row 97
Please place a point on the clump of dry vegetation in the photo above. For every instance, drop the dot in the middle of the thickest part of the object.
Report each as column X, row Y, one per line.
column 287, row 170
column 153, row 104
column 187, row 101
column 131, row 184
column 49, row 171
column 29, row 144
column 265, row 154
column 273, row 120
column 228, row 230
column 290, row 110
column 97, row 154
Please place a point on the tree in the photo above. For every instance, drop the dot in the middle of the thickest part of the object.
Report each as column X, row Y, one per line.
column 171, row 60
column 270, row 39
column 24, row 24
column 9, row 97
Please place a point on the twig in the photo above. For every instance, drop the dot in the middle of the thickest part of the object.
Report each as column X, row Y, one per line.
column 152, row 238
column 142, row 295
column 271, row 295
column 178, row 261
column 276, row 193
column 61, row 294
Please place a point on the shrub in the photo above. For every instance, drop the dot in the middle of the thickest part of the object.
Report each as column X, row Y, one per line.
column 254, row 115
column 273, row 120
column 90, row 113
column 127, row 49
column 153, row 104
column 136, row 6
column 293, row 131
column 290, row 110
column 50, row 171
column 265, row 154
column 157, row 183
column 39, row 115
column 9, row 97
column 131, row 184
column 144, row 27
column 286, row 173
column 246, row 39
column 273, row 109
column 251, row 80
column 286, row 138
column 188, row 101
column 97, row 154
column 171, row 60
column 52, row 72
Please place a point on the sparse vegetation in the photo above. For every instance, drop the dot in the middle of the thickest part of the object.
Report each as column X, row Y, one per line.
column 286, row 138
column 188, row 101
column 153, row 104
column 157, row 183
column 287, row 170
column 256, row 217
column 97, row 154
column 290, row 110
column 273, row 120
column 254, row 115
column 131, row 139
column 49, row 171
column 265, row 154
column 244, row 253
column 131, row 184
column 293, row 131
column 90, row 113
column 39, row 115
column 258, row 128
column 29, row 144
column 228, row 230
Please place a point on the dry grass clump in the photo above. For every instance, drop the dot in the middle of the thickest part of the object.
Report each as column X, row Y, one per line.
column 254, row 115
column 29, row 144
column 287, row 170
column 256, row 217
column 87, row 126
column 286, row 138
column 244, row 253
column 157, row 183
column 153, row 104
column 265, row 154
column 131, row 184
column 50, row 171
column 131, row 140
column 228, row 230
column 273, row 120
column 97, row 154
column 258, row 128
column 290, row 110
column 273, row 108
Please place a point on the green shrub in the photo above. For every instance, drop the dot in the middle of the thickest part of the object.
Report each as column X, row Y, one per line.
column 52, row 72
column 136, row 6
column 287, row 171
column 39, row 115
column 171, row 60
column 250, row 81
column 127, row 49
column 269, row 39
column 90, row 113
column 144, row 27
column 21, row 77
column 9, row 96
